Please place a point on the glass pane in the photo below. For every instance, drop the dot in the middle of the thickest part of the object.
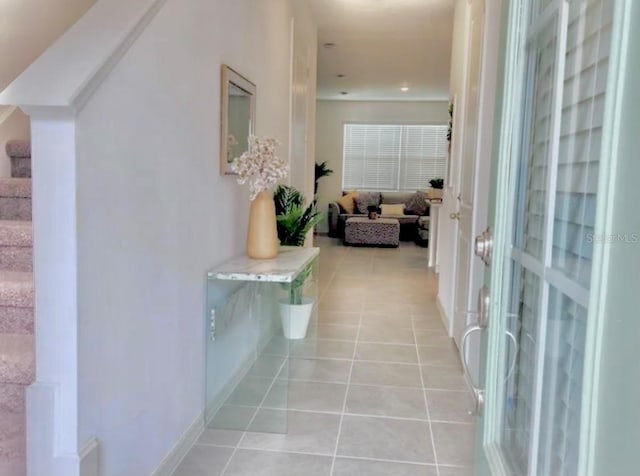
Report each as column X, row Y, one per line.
column 522, row 325
column 588, row 40
column 562, row 386
column 529, row 232
column 252, row 319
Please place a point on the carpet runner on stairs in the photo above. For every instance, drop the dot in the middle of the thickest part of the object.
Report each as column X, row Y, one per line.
column 17, row 363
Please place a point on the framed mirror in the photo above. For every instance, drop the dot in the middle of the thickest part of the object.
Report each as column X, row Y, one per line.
column 238, row 112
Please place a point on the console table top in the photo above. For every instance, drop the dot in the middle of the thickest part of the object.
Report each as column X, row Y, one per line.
column 282, row 269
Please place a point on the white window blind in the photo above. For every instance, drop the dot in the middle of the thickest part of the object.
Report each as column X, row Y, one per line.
column 393, row 157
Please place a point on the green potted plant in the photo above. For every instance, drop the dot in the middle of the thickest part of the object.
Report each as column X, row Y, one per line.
column 294, row 221
column 437, row 184
column 322, row 170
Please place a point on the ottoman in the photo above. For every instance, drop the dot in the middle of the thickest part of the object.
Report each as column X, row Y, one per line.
column 365, row 232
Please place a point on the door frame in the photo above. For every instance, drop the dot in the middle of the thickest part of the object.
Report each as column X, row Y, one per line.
column 614, row 106
column 505, row 150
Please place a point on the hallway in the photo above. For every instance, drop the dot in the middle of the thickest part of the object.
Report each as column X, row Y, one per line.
column 385, row 394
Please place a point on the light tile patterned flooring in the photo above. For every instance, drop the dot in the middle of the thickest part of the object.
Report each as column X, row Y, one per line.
column 385, row 395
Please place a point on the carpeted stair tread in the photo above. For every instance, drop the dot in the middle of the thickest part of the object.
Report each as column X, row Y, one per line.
column 16, row 289
column 16, row 245
column 15, row 199
column 15, row 187
column 16, row 233
column 17, row 148
column 16, row 359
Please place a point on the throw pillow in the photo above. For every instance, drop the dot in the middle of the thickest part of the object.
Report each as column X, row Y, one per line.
column 347, row 203
column 395, row 209
column 417, row 204
column 366, row 199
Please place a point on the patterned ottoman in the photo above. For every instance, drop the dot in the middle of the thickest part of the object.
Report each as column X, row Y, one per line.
column 365, row 232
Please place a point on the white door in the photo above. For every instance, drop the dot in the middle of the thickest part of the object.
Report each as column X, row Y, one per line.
column 467, row 266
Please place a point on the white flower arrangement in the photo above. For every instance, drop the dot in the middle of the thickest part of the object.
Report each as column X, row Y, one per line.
column 259, row 165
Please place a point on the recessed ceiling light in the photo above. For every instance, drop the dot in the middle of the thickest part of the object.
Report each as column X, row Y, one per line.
column 404, row 89
column 329, row 45
column 344, row 93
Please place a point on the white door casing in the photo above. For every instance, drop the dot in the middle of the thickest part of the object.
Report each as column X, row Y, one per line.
column 299, row 114
column 467, row 175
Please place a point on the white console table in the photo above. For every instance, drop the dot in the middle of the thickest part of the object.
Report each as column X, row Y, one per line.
column 247, row 356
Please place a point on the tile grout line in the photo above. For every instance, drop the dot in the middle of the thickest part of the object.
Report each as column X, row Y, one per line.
column 426, row 404
column 366, row 415
column 346, row 394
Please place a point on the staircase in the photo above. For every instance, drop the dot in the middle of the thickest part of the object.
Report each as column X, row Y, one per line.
column 17, row 369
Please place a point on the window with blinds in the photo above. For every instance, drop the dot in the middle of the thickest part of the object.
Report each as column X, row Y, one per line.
column 393, row 156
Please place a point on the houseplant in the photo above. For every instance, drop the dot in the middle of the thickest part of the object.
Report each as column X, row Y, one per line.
column 435, row 193
column 294, row 221
column 437, row 183
column 322, row 170
column 260, row 166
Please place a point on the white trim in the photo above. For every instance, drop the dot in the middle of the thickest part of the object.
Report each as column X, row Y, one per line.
column 43, row 456
column 291, row 98
column 89, row 458
column 83, row 57
column 601, row 258
column 443, row 317
column 558, row 11
column 507, row 152
column 182, row 447
column 216, row 402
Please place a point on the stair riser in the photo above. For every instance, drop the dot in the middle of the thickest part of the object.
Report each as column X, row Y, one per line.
column 16, row 320
column 16, row 258
column 21, row 167
column 15, row 208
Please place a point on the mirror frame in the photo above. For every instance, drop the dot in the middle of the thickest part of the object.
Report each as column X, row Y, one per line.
column 229, row 76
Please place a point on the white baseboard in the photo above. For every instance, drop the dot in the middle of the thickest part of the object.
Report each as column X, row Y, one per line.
column 216, row 402
column 182, row 447
column 42, row 457
column 445, row 319
column 89, row 458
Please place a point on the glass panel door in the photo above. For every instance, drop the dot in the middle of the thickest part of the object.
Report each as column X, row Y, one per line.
column 548, row 269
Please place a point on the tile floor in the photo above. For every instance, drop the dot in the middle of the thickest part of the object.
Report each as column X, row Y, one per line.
column 383, row 395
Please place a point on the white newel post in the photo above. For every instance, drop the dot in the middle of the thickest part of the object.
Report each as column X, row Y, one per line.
column 52, row 401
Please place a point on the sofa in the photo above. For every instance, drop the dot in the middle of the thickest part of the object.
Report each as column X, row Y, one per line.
column 411, row 209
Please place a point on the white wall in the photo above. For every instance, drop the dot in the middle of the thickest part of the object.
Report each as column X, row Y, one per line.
column 330, row 119
column 27, row 28
column 153, row 215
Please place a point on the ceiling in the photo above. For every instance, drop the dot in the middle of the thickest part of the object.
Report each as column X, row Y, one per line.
column 383, row 45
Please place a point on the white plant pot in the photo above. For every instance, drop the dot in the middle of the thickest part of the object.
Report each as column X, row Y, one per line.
column 295, row 318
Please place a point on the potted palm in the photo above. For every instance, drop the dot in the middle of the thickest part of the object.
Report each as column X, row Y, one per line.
column 294, row 221
column 322, row 170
